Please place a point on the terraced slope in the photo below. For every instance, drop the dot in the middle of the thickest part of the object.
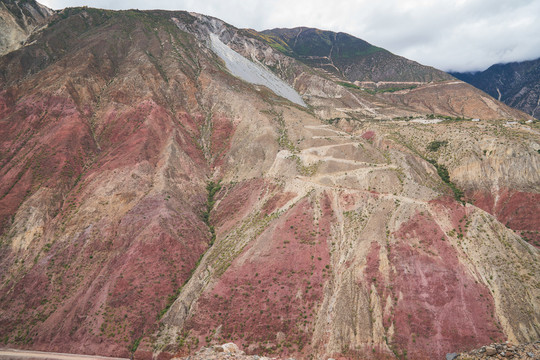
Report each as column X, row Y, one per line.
column 152, row 203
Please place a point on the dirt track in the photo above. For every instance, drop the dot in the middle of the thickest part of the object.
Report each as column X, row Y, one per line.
column 23, row 354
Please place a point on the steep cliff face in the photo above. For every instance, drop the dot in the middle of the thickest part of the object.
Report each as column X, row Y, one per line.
column 18, row 20
column 152, row 202
column 516, row 84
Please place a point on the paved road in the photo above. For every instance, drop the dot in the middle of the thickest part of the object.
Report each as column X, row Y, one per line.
column 6, row 354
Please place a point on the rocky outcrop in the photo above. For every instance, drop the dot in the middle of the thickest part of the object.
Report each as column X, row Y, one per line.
column 335, row 95
column 102, row 188
column 506, row 350
column 395, row 252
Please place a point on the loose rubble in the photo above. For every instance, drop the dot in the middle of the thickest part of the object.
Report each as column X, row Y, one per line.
column 530, row 351
column 505, row 350
column 226, row 351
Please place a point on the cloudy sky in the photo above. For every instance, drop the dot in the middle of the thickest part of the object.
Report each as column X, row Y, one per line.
column 460, row 35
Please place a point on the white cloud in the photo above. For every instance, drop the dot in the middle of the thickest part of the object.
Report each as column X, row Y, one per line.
column 451, row 35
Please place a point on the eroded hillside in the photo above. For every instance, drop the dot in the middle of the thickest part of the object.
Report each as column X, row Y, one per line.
column 152, row 203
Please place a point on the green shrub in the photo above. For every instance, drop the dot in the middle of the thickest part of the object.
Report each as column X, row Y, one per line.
column 135, row 345
column 212, row 188
column 442, row 171
column 435, row 145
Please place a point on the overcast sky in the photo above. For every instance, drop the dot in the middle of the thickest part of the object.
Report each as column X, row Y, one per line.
column 460, row 35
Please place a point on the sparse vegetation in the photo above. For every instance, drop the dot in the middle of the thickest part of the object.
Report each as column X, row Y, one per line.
column 349, row 85
column 442, row 171
column 212, row 188
column 445, row 117
column 376, row 90
column 390, row 90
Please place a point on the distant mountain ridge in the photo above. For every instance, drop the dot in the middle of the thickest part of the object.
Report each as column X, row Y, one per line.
column 516, row 84
column 351, row 57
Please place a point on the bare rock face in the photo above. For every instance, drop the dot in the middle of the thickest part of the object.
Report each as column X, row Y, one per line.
column 152, row 204
column 18, row 20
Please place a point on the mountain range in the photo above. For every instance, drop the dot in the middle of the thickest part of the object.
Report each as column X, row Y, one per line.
column 516, row 84
column 170, row 182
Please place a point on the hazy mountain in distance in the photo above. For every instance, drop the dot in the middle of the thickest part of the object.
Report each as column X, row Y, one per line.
column 516, row 84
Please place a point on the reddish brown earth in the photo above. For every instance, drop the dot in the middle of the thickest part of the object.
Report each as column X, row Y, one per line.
column 46, row 143
column 102, row 264
column 236, row 201
column 517, row 210
column 269, row 305
column 452, row 97
column 222, row 132
column 368, row 135
column 440, row 307
column 99, row 283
